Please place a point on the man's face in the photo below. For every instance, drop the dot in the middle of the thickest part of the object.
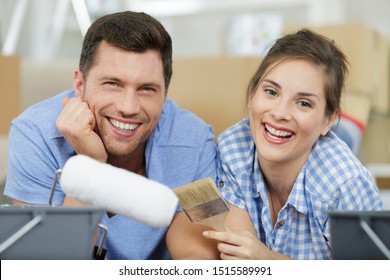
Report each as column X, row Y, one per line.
column 126, row 93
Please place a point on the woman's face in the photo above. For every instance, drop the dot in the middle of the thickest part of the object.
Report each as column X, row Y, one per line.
column 287, row 112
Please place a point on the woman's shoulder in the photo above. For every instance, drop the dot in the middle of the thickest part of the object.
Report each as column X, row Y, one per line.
column 334, row 155
column 333, row 166
column 238, row 134
column 235, row 146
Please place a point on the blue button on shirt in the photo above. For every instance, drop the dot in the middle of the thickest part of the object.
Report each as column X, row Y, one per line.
column 180, row 150
column 331, row 179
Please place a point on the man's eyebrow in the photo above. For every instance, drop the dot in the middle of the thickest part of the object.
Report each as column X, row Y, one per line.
column 152, row 84
column 111, row 78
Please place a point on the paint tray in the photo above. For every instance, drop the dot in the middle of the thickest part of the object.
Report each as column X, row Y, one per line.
column 47, row 233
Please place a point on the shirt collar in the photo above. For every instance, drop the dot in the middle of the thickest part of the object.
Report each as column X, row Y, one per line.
column 297, row 197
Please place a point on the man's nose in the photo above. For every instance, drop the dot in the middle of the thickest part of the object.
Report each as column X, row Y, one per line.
column 129, row 103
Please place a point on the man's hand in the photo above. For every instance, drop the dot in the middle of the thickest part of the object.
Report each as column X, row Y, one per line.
column 76, row 123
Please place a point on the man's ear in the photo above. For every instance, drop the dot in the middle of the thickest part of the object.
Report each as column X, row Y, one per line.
column 166, row 95
column 78, row 83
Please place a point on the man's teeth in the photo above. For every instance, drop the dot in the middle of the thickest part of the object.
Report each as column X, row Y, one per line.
column 124, row 126
column 278, row 133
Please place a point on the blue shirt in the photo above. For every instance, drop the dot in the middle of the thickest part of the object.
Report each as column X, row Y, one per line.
column 180, row 150
column 331, row 179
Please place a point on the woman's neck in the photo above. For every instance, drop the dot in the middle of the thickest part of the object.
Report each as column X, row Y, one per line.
column 279, row 179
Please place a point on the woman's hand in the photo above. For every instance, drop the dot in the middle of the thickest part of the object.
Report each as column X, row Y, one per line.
column 241, row 245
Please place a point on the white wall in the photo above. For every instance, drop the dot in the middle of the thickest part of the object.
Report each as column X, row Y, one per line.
column 197, row 34
column 375, row 13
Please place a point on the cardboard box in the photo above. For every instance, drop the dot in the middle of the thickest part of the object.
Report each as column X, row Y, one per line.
column 357, row 107
column 213, row 88
column 10, row 91
column 355, row 111
column 368, row 53
column 381, row 174
column 41, row 80
column 375, row 146
column 383, row 183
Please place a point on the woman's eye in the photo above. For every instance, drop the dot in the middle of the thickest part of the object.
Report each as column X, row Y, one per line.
column 270, row 92
column 304, row 103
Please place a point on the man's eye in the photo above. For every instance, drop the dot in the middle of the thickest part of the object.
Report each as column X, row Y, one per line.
column 113, row 84
column 148, row 90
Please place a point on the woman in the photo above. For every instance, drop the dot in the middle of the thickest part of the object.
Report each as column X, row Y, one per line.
column 282, row 169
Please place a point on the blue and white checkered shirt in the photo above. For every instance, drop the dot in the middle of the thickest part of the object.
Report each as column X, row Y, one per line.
column 331, row 179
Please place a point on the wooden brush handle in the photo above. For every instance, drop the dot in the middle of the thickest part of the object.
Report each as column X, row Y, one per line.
column 216, row 222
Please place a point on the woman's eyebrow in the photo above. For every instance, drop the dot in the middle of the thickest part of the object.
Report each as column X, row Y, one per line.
column 308, row 94
column 273, row 82
column 302, row 94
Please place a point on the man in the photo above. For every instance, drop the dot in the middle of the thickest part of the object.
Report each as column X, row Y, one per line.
column 117, row 113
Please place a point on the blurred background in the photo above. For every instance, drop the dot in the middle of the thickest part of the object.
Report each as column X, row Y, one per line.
column 217, row 46
column 52, row 29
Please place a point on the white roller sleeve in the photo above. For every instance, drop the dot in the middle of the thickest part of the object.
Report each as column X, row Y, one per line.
column 119, row 191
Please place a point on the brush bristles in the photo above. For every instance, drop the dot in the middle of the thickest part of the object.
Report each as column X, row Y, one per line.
column 197, row 193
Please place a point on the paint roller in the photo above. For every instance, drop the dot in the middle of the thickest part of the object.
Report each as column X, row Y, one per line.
column 118, row 191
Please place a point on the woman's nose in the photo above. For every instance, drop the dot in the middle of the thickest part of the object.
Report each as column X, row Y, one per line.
column 281, row 111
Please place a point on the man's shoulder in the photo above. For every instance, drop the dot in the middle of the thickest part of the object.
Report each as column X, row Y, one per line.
column 172, row 111
column 181, row 126
column 47, row 107
column 42, row 115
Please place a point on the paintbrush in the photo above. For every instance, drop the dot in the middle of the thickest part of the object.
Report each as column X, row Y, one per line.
column 203, row 203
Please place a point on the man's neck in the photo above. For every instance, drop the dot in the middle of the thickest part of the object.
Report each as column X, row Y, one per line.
column 135, row 162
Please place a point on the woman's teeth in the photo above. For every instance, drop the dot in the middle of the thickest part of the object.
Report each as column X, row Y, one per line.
column 277, row 133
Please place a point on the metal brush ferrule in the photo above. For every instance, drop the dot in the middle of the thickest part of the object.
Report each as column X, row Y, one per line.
column 206, row 210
